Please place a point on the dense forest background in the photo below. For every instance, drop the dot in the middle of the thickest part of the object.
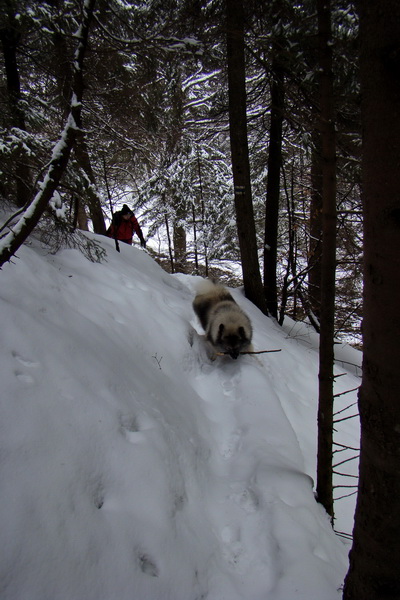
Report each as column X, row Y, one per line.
column 152, row 129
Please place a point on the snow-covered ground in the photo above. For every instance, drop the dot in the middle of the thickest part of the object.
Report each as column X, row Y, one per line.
column 132, row 467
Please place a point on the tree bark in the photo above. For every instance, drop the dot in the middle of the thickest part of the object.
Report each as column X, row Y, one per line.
column 315, row 245
column 92, row 197
column 375, row 556
column 179, row 235
column 273, row 187
column 328, row 262
column 10, row 243
column 240, row 154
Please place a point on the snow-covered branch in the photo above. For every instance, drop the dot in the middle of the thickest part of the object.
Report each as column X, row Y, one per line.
column 19, row 232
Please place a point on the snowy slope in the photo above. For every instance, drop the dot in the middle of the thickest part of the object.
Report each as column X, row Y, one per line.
column 132, row 467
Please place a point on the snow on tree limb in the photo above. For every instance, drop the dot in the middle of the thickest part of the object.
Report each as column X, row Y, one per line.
column 18, row 233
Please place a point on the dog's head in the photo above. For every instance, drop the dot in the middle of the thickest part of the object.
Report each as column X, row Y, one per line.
column 232, row 341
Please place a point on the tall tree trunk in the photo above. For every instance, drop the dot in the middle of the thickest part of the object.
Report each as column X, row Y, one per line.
column 179, row 233
column 171, row 256
column 82, row 221
column 203, row 216
column 93, row 200
column 9, row 35
column 10, row 243
column 375, row 556
column 328, row 262
column 240, row 154
column 273, row 187
column 315, row 245
column 196, row 250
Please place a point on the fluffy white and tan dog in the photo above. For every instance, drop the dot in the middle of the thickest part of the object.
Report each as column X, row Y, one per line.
column 228, row 329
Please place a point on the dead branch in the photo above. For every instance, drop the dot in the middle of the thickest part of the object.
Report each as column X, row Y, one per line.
column 346, row 495
column 259, row 352
column 346, row 392
column 343, row 409
column 345, row 474
column 335, row 487
column 344, row 447
column 346, row 418
column 345, row 461
column 343, row 534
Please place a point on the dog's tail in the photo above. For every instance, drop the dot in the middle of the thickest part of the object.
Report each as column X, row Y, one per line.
column 206, row 286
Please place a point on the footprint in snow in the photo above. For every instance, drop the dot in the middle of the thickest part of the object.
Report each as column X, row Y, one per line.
column 24, row 377
column 247, row 499
column 26, row 362
column 232, row 547
column 147, row 565
column 232, row 445
column 230, row 383
column 131, row 430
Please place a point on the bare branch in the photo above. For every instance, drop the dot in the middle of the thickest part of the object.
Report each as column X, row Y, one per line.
column 343, row 409
column 346, row 418
column 345, row 461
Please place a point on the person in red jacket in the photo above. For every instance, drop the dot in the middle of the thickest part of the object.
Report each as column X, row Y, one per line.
column 124, row 225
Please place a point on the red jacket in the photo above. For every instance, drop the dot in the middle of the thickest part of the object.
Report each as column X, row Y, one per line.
column 125, row 230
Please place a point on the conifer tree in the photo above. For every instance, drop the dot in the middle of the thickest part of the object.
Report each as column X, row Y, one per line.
column 375, row 555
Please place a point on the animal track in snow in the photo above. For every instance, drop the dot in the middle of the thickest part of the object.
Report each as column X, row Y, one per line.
column 247, row 499
column 233, row 548
column 179, row 502
column 26, row 362
column 132, row 430
column 229, row 384
column 98, row 496
column 24, row 377
column 147, row 565
column 232, row 445
column 129, row 424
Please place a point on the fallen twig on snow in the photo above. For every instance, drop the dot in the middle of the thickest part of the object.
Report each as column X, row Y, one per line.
column 259, row 352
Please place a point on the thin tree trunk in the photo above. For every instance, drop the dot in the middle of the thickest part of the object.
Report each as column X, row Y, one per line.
column 79, row 215
column 171, row 256
column 273, row 188
column 196, row 251
column 92, row 196
column 291, row 260
column 203, row 215
column 328, row 264
column 240, row 154
column 315, row 245
column 375, row 556
column 9, row 36
column 10, row 243
column 179, row 235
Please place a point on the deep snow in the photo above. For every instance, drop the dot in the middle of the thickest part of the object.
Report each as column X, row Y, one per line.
column 132, row 467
